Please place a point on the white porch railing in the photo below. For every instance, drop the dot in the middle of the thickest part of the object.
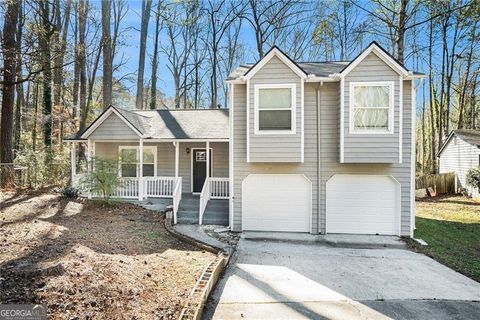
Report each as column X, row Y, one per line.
column 129, row 188
column 161, row 187
column 213, row 188
column 219, row 188
column 177, row 197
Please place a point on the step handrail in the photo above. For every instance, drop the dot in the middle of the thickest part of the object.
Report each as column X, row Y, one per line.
column 177, row 197
column 204, row 198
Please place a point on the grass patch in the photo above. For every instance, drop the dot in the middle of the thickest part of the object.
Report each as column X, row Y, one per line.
column 451, row 227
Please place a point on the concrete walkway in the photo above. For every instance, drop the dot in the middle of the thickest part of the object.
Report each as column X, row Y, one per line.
column 280, row 280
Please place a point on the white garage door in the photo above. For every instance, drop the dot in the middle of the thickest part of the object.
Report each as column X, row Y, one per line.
column 276, row 202
column 363, row 204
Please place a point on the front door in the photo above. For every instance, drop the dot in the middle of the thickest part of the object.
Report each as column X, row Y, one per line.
column 199, row 167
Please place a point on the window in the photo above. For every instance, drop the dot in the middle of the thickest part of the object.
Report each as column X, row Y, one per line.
column 130, row 161
column 371, row 107
column 201, row 156
column 275, row 108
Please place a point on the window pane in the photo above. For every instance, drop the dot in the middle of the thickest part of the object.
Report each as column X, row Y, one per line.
column 275, row 120
column 148, row 156
column 148, row 170
column 274, row 98
column 129, row 156
column 129, row 170
column 200, row 156
column 371, row 119
column 371, row 97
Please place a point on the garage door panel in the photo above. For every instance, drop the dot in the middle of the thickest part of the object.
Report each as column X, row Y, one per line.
column 276, row 203
column 362, row 204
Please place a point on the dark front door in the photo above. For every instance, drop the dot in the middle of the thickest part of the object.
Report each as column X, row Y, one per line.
column 199, row 168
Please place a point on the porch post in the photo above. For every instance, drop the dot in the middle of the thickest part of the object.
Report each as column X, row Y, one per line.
column 140, row 171
column 177, row 155
column 89, row 164
column 73, row 160
column 208, row 159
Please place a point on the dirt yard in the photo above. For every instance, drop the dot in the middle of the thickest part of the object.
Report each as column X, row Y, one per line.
column 88, row 261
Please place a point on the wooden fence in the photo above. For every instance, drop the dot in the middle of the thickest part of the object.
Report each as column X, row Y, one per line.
column 441, row 183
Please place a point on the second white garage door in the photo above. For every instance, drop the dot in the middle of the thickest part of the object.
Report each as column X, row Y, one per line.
column 363, row 204
column 276, row 202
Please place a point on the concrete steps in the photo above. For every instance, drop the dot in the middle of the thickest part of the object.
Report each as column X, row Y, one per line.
column 215, row 213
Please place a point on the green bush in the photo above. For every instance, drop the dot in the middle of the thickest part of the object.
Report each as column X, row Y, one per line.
column 473, row 178
column 103, row 180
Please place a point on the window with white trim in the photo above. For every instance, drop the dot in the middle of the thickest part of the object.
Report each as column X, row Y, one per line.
column 275, row 108
column 130, row 161
column 371, row 106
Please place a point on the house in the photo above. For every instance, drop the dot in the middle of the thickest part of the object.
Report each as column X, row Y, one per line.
column 316, row 147
column 459, row 153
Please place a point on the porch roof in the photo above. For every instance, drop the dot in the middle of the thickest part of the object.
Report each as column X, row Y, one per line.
column 174, row 124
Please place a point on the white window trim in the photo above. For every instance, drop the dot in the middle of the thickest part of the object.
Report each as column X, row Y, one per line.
column 137, row 148
column 293, row 109
column 391, row 109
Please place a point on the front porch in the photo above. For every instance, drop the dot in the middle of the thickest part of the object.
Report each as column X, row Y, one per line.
column 177, row 173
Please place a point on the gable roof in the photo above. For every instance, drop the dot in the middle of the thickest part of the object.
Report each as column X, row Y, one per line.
column 275, row 52
column 168, row 124
column 325, row 70
column 380, row 52
column 469, row 136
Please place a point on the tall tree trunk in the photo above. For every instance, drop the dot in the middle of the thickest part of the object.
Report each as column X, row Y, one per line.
column 146, row 7
column 153, row 101
column 76, row 70
column 61, row 45
column 432, row 101
column 20, row 96
column 45, row 43
column 82, row 10
column 400, row 41
column 107, row 54
column 8, row 92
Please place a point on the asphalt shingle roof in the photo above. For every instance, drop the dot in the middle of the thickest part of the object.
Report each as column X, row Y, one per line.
column 177, row 124
column 470, row 136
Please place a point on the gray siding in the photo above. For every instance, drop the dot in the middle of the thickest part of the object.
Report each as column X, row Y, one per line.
column 330, row 165
column 459, row 157
column 275, row 148
column 241, row 168
column 113, row 128
column 166, row 158
column 328, row 147
column 371, row 148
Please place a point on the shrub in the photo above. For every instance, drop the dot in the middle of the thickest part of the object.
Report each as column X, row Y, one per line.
column 103, row 180
column 473, row 178
column 70, row 192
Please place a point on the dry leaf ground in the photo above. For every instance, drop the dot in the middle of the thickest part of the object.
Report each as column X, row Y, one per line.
column 84, row 260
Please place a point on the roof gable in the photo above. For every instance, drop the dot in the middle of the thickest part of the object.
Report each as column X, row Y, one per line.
column 382, row 54
column 471, row 137
column 275, row 52
column 121, row 114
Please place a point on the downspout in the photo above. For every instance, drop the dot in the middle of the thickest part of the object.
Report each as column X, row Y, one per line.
column 319, row 165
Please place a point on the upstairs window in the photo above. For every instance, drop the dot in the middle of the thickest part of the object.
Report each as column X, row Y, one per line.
column 275, row 108
column 371, row 107
column 130, row 161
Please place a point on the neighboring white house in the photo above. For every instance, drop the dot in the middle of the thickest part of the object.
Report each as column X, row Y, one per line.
column 317, row 147
column 459, row 153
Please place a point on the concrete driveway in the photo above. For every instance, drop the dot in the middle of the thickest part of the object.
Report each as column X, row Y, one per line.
column 280, row 280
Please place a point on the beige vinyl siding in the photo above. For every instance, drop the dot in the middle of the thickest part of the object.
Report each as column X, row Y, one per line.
column 113, row 128
column 280, row 147
column 242, row 169
column 460, row 156
column 166, row 158
column 371, row 148
column 329, row 145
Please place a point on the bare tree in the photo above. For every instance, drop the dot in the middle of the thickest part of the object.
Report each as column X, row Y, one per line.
column 107, row 54
column 153, row 100
column 146, row 7
column 8, row 91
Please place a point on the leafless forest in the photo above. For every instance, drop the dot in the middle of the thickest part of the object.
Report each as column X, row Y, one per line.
column 64, row 61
